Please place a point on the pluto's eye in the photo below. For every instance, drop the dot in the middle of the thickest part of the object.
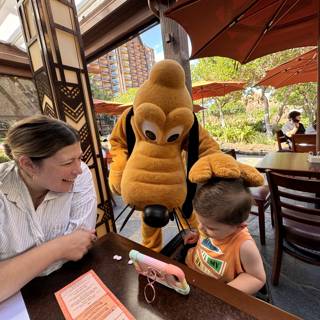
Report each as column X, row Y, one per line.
column 174, row 134
column 150, row 130
column 172, row 138
column 150, row 135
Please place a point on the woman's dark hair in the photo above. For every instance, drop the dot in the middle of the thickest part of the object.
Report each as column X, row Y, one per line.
column 294, row 114
column 38, row 137
column 226, row 201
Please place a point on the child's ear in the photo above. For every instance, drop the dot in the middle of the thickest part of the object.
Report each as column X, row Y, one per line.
column 242, row 225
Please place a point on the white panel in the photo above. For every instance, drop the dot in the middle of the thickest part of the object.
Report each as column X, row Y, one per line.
column 71, row 76
column 68, row 49
column 58, row 74
column 35, row 54
column 30, row 19
column 62, row 14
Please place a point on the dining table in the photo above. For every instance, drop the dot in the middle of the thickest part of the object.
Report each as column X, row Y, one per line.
column 208, row 297
column 290, row 163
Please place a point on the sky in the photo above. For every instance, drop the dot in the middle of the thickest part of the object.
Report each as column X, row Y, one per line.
column 152, row 39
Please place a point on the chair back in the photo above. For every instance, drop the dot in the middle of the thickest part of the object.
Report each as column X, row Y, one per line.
column 296, row 209
column 304, row 142
column 281, row 138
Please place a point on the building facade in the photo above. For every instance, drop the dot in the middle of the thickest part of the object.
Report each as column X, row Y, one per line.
column 125, row 67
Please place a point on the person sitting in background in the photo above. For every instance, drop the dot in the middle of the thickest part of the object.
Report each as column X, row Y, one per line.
column 47, row 202
column 293, row 126
column 312, row 128
column 225, row 250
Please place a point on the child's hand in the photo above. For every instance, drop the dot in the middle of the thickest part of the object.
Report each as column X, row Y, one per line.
column 190, row 237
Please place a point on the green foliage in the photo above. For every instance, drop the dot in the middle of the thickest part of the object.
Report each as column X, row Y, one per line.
column 238, row 133
column 3, row 157
column 127, row 97
column 215, row 69
column 246, row 112
column 222, row 69
column 299, row 96
column 259, row 125
column 235, row 133
column 232, row 106
column 240, row 128
column 98, row 93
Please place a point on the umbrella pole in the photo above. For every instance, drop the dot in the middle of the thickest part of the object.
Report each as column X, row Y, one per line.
column 318, row 86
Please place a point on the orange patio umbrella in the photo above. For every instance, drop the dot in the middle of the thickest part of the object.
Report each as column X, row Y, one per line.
column 248, row 29
column 108, row 107
column 206, row 89
column 196, row 107
column 298, row 70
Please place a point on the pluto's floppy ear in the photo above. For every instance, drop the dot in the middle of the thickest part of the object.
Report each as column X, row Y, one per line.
column 131, row 139
column 251, row 176
column 225, row 166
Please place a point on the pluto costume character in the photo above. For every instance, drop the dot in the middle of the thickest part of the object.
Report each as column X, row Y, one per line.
column 152, row 171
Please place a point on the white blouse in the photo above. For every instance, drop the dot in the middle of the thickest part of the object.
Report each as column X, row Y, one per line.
column 22, row 227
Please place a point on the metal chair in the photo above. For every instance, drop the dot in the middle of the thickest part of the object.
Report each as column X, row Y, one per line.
column 297, row 219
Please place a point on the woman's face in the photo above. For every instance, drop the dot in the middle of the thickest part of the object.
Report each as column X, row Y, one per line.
column 297, row 119
column 58, row 172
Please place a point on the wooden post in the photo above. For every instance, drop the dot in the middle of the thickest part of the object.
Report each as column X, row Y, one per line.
column 175, row 41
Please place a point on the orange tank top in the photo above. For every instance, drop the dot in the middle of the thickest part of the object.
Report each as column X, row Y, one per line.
column 219, row 259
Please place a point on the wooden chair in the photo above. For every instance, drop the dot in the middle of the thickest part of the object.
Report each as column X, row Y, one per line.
column 304, row 143
column 262, row 201
column 297, row 219
column 281, row 138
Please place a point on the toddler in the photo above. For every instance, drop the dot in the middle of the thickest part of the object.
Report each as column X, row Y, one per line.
column 225, row 250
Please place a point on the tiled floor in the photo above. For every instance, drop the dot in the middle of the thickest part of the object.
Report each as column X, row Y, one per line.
column 298, row 291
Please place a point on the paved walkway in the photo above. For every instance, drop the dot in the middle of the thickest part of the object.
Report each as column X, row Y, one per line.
column 298, row 291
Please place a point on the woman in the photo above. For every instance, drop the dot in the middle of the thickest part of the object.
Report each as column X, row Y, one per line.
column 293, row 126
column 47, row 202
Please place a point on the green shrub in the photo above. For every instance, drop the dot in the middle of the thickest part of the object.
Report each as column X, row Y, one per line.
column 239, row 132
column 3, row 157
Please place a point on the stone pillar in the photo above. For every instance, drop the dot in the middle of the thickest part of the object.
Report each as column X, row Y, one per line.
column 53, row 41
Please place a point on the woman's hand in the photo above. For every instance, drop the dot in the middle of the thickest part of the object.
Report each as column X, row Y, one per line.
column 76, row 244
column 19, row 270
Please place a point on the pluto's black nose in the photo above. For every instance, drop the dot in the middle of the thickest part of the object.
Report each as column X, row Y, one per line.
column 156, row 216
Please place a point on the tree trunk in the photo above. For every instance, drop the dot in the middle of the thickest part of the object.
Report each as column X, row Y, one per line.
column 283, row 105
column 308, row 107
column 221, row 117
column 266, row 113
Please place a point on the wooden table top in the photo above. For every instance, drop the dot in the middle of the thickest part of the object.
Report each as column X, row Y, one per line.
column 289, row 162
column 208, row 298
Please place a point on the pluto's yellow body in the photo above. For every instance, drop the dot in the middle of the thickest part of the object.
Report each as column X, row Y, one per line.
column 155, row 171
